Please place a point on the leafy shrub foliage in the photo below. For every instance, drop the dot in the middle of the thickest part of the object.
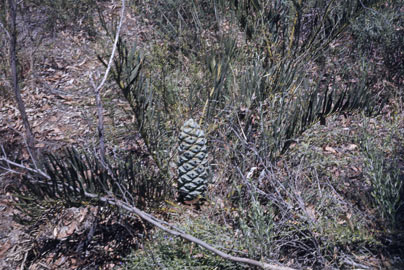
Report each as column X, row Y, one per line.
column 385, row 178
column 165, row 251
column 380, row 32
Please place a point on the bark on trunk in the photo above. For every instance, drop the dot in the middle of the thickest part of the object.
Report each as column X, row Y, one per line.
column 14, row 74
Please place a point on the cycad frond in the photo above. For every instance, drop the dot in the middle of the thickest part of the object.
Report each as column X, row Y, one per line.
column 74, row 175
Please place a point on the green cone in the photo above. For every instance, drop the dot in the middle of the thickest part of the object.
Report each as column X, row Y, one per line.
column 192, row 162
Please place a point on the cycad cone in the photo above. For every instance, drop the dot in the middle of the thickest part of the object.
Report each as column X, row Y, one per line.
column 192, row 162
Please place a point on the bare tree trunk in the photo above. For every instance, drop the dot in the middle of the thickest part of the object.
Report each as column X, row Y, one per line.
column 14, row 74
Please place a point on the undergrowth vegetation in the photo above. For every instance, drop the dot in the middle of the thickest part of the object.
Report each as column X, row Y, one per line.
column 167, row 252
column 301, row 105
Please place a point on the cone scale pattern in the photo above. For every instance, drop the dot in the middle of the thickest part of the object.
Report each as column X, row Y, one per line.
column 192, row 162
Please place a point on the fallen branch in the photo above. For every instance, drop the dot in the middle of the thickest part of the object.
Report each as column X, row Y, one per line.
column 111, row 200
column 158, row 223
